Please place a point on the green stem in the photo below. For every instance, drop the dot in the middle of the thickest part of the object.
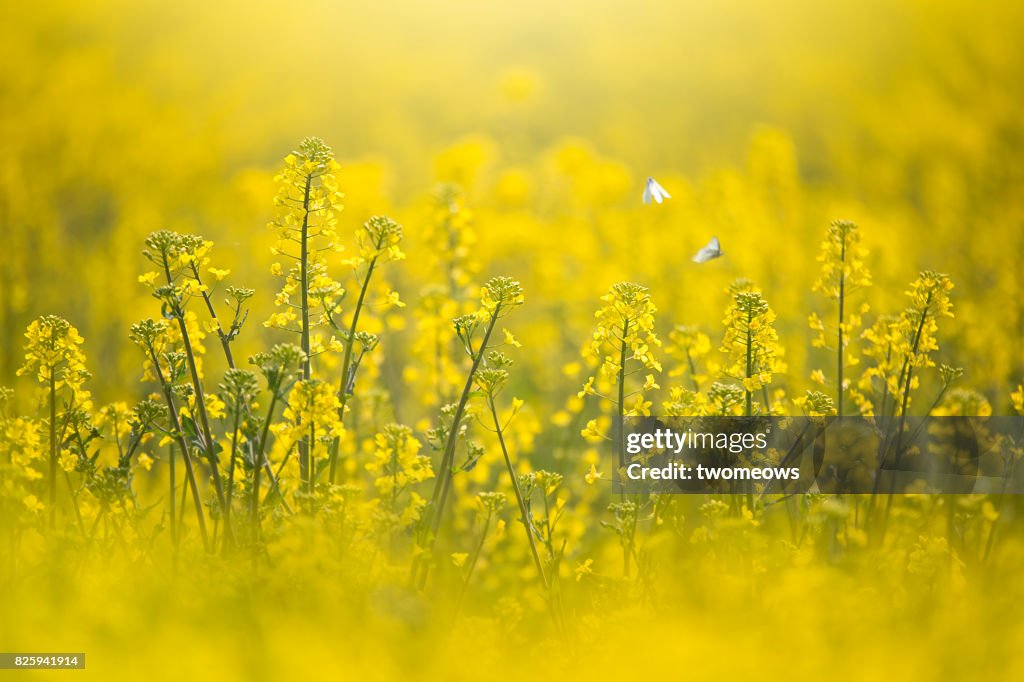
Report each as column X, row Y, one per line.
column 258, row 464
column 346, row 364
column 839, row 329
column 75, row 505
column 183, row 445
column 171, row 497
column 225, row 343
column 472, row 566
column 524, row 512
column 693, row 370
column 307, row 366
column 231, row 474
column 750, row 363
column 621, row 417
column 441, row 487
column 179, row 315
column 211, row 454
column 53, row 450
column 908, row 370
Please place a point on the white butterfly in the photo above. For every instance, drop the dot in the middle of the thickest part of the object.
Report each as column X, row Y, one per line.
column 652, row 190
column 712, row 250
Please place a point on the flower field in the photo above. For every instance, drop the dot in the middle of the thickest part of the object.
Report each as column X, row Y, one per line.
column 323, row 325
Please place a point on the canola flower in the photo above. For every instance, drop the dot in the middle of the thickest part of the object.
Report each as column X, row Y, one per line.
column 751, row 344
column 498, row 297
column 625, row 334
column 308, row 201
column 53, row 354
column 842, row 272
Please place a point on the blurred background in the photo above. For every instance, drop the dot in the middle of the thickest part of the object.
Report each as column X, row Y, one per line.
column 764, row 120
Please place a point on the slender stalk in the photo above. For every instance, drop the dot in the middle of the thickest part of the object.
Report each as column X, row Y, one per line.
column 225, row 343
column 908, row 371
column 75, row 505
column 198, row 387
column 53, row 450
column 444, row 483
column 839, row 329
column 307, row 366
column 885, row 382
column 258, row 462
column 180, row 438
column 621, row 417
column 171, row 497
column 304, row 278
column 750, row 363
column 693, row 370
column 231, row 474
column 998, row 506
column 472, row 566
column 346, row 364
column 309, row 448
column 439, row 497
column 524, row 513
column 203, row 418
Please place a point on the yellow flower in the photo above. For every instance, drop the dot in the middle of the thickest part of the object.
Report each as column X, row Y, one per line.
column 459, row 559
column 32, row 503
column 394, row 300
column 53, row 352
column 511, row 340
column 593, row 475
column 584, row 569
column 68, row 460
column 219, row 274
column 591, row 432
column 146, row 462
column 308, row 202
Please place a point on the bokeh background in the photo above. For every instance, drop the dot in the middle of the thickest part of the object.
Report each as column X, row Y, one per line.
column 765, row 121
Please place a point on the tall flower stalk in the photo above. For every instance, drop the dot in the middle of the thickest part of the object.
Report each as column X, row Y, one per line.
column 167, row 367
column 173, row 254
column 842, row 272
column 490, row 381
column 378, row 243
column 239, row 389
column 312, row 421
column 307, row 203
column 623, row 344
column 751, row 344
column 498, row 297
column 914, row 341
column 54, row 355
column 280, row 367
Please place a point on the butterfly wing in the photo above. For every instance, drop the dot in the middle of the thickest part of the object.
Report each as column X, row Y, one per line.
column 712, row 250
column 648, row 193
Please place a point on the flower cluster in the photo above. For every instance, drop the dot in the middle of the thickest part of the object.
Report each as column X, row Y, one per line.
column 397, row 465
column 54, row 354
column 751, row 343
column 307, row 202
